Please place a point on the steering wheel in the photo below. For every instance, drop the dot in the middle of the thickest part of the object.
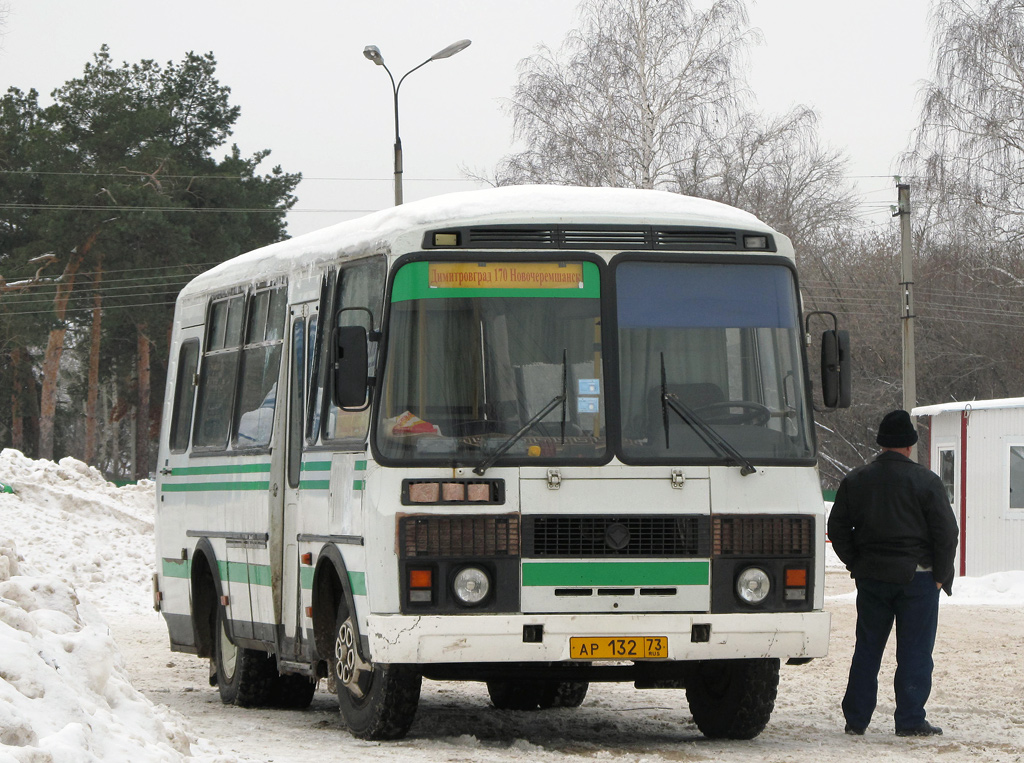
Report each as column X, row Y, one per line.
column 721, row 412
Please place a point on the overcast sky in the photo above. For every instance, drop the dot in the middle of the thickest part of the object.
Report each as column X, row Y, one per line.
column 307, row 93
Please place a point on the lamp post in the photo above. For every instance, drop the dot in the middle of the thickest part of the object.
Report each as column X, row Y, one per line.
column 372, row 52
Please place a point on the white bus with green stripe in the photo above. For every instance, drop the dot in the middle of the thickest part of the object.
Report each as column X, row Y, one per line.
column 539, row 437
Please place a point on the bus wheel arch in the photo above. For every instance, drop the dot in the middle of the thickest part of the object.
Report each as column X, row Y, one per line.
column 331, row 594
column 376, row 701
column 206, row 595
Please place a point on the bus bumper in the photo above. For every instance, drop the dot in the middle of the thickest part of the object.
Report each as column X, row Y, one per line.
column 503, row 638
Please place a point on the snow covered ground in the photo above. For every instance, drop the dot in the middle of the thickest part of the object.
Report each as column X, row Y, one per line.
column 86, row 674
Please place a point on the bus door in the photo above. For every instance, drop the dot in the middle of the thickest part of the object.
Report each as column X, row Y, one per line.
column 299, row 476
column 173, row 503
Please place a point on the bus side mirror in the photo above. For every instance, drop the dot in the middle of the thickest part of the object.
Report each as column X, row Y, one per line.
column 835, row 369
column 351, row 371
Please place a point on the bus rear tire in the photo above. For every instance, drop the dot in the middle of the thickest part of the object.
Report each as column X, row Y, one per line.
column 293, row 691
column 245, row 677
column 379, row 702
column 532, row 695
column 564, row 694
column 732, row 699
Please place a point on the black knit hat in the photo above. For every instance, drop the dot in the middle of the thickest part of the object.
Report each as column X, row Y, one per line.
column 896, row 430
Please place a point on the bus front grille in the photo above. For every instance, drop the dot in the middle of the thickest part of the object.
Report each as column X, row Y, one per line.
column 458, row 536
column 615, row 536
column 763, row 535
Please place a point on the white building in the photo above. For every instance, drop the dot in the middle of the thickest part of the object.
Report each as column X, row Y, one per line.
column 977, row 448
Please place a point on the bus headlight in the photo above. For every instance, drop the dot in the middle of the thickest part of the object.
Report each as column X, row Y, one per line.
column 471, row 586
column 752, row 585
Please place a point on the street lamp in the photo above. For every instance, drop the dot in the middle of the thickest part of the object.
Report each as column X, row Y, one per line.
column 372, row 52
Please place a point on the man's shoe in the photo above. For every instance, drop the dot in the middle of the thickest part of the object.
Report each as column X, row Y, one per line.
column 924, row 730
column 854, row 731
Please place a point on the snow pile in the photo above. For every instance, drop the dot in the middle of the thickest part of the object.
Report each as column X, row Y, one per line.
column 72, row 523
column 1000, row 589
column 64, row 694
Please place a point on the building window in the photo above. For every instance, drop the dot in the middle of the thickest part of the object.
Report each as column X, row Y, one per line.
column 1017, row 476
column 947, row 472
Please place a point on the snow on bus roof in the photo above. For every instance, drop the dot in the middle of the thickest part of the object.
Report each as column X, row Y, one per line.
column 508, row 204
column 974, row 405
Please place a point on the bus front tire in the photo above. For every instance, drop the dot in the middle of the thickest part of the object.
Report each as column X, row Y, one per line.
column 376, row 701
column 732, row 699
column 245, row 677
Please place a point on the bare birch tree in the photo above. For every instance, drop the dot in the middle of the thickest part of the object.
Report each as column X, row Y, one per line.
column 968, row 151
column 652, row 94
column 632, row 96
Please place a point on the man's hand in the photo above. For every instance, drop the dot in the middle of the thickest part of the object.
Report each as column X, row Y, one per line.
column 938, row 585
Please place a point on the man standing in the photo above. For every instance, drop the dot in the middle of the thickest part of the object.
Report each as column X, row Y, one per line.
column 893, row 528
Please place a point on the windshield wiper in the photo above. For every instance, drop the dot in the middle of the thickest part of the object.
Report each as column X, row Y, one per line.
column 704, row 430
column 484, row 465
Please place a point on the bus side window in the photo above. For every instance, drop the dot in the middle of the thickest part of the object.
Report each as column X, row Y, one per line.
column 184, row 396
column 359, row 285
column 317, row 370
column 295, row 401
column 219, row 374
column 261, row 362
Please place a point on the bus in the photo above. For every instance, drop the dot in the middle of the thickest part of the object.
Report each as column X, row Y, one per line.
column 536, row 436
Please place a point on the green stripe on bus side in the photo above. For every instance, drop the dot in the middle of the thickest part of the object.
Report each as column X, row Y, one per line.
column 411, row 283
column 360, row 466
column 192, row 471
column 615, row 574
column 315, row 484
column 206, row 487
column 316, row 466
column 176, row 568
column 240, row 572
column 359, row 485
column 357, row 580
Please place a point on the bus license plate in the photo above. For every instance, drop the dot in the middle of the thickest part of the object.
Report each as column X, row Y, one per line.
column 618, row 648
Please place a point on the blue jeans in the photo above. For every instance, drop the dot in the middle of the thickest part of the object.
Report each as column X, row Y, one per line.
column 915, row 608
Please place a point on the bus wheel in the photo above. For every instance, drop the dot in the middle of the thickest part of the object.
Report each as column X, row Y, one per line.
column 732, row 699
column 530, row 695
column 563, row 694
column 377, row 701
column 293, row 691
column 245, row 677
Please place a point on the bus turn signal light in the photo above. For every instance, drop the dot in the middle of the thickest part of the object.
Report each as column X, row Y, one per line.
column 420, row 578
column 796, row 584
column 421, row 586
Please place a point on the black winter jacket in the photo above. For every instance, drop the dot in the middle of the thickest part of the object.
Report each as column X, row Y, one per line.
column 890, row 516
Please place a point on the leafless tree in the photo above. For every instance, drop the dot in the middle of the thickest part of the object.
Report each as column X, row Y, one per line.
column 632, row 96
column 652, row 94
column 968, row 151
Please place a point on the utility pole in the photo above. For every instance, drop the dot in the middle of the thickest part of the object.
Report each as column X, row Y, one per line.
column 907, row 300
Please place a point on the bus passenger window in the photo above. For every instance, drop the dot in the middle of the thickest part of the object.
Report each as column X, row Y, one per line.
column 218, row 375
column 261, row 361
column 184, row 396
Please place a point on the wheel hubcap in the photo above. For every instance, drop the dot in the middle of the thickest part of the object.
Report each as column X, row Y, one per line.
column 348, row 665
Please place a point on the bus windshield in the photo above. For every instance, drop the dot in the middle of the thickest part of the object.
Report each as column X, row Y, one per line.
column 722, row 341
column 477, row 350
